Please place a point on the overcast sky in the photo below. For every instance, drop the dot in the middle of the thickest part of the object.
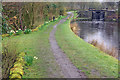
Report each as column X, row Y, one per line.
column 60, row 0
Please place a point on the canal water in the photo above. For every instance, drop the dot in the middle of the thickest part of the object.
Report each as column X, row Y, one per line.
column 105, row 33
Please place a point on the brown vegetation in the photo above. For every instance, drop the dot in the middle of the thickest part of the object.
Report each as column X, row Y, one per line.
column 74, row 27
column 29, row 15
column 112, row 52
column 8, row 58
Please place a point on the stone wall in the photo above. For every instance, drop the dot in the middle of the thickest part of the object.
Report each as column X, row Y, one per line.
column 109, row 15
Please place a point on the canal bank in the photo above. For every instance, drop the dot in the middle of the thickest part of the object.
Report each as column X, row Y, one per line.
column 87, row 58
column 101, row 34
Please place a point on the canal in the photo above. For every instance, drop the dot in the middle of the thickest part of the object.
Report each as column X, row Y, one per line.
column 105, row 33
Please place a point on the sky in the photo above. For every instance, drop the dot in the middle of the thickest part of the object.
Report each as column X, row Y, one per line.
column 59, row 0
column 100, row 0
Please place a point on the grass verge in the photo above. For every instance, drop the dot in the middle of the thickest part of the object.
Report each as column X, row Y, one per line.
column 87, row 58
column 36, row 44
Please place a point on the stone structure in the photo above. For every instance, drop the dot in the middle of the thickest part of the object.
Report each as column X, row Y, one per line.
column 99, row 15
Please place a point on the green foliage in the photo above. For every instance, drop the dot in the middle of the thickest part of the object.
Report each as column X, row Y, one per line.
column 45, row 23
column 54, row 5
column 60, row 16
column 18, row 32
column 31, row 13
column 27, row 31
column 5, row 28
column 11, row 33
column 28, row 59
column 40, row 28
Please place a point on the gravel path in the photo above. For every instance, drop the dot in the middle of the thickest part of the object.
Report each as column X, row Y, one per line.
column 67, row 68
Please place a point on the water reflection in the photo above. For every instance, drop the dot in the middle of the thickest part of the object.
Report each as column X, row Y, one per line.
column 103, row 32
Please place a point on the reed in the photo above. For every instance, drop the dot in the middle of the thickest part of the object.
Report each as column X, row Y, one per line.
column 111, row 51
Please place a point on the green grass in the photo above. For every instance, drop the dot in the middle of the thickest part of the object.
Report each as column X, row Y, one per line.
column 36, row 44
column 90, row 60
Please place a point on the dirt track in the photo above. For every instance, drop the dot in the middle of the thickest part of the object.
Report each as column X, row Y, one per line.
column 67, row 68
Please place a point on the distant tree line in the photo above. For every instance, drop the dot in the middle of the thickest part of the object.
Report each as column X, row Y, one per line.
column 87, row 5
column 24, row 15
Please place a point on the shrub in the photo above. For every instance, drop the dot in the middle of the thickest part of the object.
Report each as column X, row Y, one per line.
column 18, row 32
column 45, row 23
column 60, row 16
column 28, row 59
column 11, row 32
column 40, row 28
column 27, row 31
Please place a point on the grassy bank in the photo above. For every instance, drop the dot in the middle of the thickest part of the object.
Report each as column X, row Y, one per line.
column 88, row 59
column 36, row 44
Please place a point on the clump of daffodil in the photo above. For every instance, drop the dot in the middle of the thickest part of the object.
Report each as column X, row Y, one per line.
column 12, row 31
column 5, row 35
column 35, row 57
column 17, row 70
